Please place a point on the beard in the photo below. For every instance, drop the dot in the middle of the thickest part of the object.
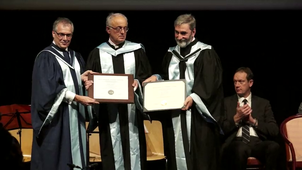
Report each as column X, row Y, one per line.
column 184, row 42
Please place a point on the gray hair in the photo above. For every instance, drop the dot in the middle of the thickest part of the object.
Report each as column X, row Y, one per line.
column 112, row 15
column 186, row 19
column 64, row 21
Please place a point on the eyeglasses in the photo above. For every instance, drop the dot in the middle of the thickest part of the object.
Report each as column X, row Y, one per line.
column 61, row 35
column 119, row 28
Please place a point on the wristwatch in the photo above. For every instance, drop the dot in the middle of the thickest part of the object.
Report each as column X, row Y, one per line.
column 238, row 124
column 256, row 123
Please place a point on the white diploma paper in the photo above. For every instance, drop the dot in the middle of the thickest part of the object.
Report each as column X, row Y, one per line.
column 164, row 95
column 110, row 87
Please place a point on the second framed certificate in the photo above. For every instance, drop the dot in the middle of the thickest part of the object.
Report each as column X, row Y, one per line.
column 111, row 88
column 164, row 95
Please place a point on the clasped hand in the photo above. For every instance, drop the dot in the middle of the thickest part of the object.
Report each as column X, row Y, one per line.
column 243, row 113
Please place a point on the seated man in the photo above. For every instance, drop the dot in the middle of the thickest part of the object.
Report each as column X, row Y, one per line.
column 249, row 126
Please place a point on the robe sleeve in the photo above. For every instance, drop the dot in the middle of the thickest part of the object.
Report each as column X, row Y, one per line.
column 47, row 82
column 142, row 68
column 208, row 81
column 93, row 61
column 81, row 61
column 165, row 65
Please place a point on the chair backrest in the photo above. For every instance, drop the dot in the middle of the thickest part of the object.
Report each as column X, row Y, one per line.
column 154, row 140
column 94, row 145
column 291, row 131
column 25, row 141
column 254, row 163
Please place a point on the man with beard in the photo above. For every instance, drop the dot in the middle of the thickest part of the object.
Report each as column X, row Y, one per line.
column 121, row 128
column 191, row 134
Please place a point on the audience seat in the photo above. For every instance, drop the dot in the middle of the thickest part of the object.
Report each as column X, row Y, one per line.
column 154, row 140
column 291, row 131
column 254, row 163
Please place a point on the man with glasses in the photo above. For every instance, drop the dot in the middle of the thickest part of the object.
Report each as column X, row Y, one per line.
column 192, row 133
column 58, row 104
column 249, row 125
column 121, row 128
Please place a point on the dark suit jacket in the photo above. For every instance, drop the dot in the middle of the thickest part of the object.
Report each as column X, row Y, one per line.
column 267, row 126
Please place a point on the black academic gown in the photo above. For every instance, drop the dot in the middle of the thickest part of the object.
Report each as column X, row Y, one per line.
column 107, row 113
column 203, row 151
column 51, row 149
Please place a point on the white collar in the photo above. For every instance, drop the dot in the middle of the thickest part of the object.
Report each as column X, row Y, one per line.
column 248, row 98
column 112, row 43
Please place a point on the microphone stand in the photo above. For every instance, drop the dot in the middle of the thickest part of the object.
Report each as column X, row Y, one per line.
column 19, row 122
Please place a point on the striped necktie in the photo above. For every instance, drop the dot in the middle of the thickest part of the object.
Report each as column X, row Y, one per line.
column 245, row 129
column 67, row 57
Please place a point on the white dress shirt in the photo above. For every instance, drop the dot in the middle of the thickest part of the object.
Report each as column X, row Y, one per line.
column 249, row 102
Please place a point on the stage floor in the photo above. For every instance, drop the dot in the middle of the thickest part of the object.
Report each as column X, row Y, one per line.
column 151, row 165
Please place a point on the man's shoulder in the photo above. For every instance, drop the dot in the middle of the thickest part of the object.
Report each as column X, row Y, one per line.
column 198, row 44
column 254, row 97
column 99, row 46
column 46, row 51
column 231, row 97
column 259, row 99
column 203, row 45
column 126, row 44
column 131, row 44
column 46, row 48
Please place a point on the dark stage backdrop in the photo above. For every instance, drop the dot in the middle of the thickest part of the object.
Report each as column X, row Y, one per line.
column 268, row 41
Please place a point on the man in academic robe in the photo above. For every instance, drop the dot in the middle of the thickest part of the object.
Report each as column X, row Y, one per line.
column 121, row 128
column 191, row 134
column 249, row 126
column 57, row 104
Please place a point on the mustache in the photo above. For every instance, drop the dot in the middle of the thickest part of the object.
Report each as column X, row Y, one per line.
column 181, row 40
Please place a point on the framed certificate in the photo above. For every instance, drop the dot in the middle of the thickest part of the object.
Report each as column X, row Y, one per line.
column 164, row 95
column 111, row 88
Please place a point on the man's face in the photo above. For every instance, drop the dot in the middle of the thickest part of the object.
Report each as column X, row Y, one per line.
column 117, row 29
column 242, row 85
column 63, row 35
column 183, row 35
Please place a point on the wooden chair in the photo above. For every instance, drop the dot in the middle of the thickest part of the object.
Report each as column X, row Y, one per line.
column 254, row 163
column 291, row 131
column 26, row 142
column 154, row 140
column 94, row 145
